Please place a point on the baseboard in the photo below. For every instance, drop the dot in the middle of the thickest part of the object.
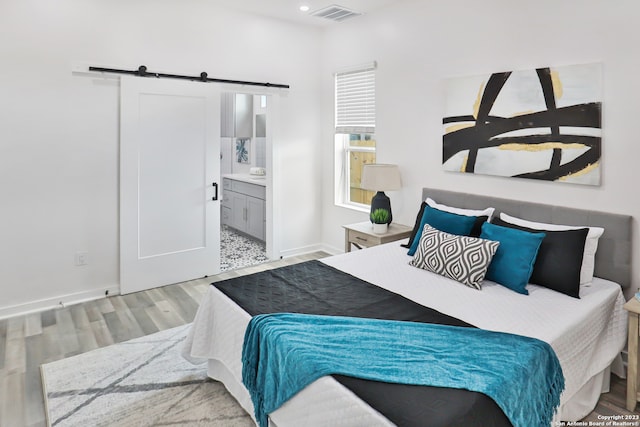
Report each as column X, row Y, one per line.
column 332, row 249
column 307, row 250
column 59, row 301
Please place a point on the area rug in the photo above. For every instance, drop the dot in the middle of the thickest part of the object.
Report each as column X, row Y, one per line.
column 142, row 382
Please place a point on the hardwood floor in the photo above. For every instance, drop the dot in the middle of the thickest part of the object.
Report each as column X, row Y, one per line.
column 28, row 341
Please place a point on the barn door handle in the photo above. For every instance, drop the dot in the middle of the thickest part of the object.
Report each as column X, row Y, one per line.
column 215, row 195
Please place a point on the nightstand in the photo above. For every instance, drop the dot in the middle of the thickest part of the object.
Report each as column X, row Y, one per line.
column 361, row 235
column 633, row 307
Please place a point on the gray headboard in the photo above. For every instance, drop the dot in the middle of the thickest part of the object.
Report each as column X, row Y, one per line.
column 613, row 258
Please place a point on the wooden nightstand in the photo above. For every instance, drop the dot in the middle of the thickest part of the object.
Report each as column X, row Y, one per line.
column 633, row 307
column 361, row 235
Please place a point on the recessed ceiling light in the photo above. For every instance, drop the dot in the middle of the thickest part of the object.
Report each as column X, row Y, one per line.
column 304, row 8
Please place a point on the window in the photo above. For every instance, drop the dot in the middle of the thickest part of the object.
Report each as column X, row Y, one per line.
column 355, row 143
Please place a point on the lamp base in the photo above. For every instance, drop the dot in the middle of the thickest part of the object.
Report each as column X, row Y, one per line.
column 381, row 201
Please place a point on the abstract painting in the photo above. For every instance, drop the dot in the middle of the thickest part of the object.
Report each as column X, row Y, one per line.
column 541, row 124
column 242, row 150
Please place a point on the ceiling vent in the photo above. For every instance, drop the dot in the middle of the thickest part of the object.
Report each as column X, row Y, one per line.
column 335, row 13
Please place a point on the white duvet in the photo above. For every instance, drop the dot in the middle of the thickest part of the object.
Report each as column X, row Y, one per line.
column 587, row 334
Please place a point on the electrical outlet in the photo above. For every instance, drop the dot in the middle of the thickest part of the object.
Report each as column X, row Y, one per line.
column 82, row 258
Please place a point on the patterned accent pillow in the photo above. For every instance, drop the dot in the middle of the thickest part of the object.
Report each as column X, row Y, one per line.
column 461, row 258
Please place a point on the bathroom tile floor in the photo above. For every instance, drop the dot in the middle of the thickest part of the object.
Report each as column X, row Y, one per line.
column 238, row 250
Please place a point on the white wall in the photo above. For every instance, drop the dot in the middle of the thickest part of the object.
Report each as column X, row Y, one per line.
column 59, row 132
column 417, row 44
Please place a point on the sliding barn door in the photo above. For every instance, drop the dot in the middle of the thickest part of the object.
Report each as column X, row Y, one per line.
column 169, row 175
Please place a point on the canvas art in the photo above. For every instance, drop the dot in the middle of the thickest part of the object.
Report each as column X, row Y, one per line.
column 542, row 124
column 242, row 150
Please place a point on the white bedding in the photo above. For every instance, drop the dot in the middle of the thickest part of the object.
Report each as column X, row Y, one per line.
column 587, row 334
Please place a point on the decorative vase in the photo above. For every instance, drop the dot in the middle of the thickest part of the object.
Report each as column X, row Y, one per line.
column 380, row 228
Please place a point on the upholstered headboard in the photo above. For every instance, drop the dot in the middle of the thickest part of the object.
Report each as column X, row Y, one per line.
column 613, row 258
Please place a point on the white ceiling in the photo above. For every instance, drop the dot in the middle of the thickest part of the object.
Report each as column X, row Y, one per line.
column 289, row 10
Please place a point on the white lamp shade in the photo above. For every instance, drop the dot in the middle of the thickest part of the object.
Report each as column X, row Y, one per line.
column 380, row 177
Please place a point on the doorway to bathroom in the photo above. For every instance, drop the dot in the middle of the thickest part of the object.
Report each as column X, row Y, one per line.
column 244, row 157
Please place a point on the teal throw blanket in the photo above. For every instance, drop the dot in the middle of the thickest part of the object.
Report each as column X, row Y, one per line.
column 285, row 352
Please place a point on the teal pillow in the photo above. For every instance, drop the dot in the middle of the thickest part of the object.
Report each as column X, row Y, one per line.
column 513, row 262
column 444, row 221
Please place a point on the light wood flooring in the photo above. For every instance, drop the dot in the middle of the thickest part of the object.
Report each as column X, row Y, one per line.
column 28, row 341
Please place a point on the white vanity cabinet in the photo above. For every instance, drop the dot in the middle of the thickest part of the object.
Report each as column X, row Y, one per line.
column 243, row 207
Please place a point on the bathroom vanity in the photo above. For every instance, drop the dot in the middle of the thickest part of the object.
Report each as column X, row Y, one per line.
column 243, row 204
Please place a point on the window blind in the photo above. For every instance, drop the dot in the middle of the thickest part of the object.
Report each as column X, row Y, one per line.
column 356, row 101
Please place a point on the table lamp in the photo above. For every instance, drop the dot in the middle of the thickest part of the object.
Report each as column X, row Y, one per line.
column 380, row 178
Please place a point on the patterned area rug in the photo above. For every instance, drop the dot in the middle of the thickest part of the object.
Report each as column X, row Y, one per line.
column 142, row 382
column 238, row 250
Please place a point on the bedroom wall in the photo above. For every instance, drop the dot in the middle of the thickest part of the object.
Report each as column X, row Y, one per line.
column 417, row 44
column 59, row 131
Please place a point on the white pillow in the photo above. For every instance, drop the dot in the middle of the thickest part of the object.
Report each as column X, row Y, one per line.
column 460, row 211
column 590, row 244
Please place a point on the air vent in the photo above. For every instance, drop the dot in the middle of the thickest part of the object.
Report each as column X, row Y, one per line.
column 335, row 13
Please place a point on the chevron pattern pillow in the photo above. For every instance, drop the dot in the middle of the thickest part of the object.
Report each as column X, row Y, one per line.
column 461, row 258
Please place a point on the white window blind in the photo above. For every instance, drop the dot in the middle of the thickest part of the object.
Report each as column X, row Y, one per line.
column 356, row 101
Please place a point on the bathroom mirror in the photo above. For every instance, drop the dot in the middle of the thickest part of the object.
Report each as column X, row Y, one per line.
column 261, row 125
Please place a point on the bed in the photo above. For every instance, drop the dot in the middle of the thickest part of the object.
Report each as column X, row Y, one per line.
column 586, row 333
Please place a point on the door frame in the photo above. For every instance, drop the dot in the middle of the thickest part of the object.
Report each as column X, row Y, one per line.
column 274, row 171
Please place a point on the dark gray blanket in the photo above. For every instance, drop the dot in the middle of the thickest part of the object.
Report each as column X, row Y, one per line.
column 315, row 288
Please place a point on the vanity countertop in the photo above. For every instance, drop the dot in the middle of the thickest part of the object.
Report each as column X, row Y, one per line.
column 245, row 177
